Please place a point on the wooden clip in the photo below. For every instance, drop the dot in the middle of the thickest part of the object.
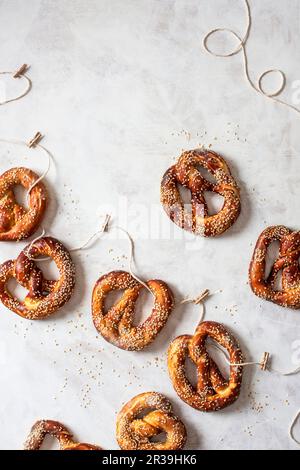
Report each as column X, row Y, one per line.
column 104, row 227
column 264, row 361
column 21, row 71
column 201, row 297
column 36, row 139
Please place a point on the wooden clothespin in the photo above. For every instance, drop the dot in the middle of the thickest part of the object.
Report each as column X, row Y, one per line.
column 104, row 227
column 201, row 297
column 36, row 139
column 264, row 361
column 21, row 70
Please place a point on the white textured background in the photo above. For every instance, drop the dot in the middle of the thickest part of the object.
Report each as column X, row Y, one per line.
column 116, row 82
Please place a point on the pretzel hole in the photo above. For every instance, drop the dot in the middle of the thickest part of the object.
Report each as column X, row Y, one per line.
column 113, row 298
column 185, row 195
column 191, row 372
column 50, row 443
column 214, row 202
column 143, row 307
column 206, row 174
column 218, row 357
column 16, row 290
column 161, row 437
column 48, row 268
column 271, row 257
column 20, row 194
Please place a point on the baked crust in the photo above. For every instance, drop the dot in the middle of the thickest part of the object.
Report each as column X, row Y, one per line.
column 212, row 392
column 287, row 262
column 134, row 432
column 43, row 427
column 186, row 173
column 117, row 325
column 45, row 296
column 17, row 222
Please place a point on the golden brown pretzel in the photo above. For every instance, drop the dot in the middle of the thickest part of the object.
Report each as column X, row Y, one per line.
column 43, row 427
column 116, row 326
column 186, row 173
column 287, row 262
column 212, row 392
column 45, row 296
column 134, row 432
column 17, row 222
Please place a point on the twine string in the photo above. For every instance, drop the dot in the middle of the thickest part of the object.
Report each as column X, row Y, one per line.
column 26, row 90
column 100, row 232
column 292, row 427
column 197, row 300
column 44, row 150
column 270, row 369
column 241, row 47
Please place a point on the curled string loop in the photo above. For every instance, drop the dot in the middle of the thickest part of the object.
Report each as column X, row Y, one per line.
column 241, row 47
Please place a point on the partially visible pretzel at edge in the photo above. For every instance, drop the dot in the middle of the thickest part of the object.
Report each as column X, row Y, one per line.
column 43, row 427
column 186, row 173
column 212, row 392
column 116, row 326
column 17, row 222
column 45, row 296
column 287, row 262
column 134, row 432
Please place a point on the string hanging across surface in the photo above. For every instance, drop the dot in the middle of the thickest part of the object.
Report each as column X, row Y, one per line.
column 241, row 47
column 19, row 74
column 264, row 364
column 16, row 221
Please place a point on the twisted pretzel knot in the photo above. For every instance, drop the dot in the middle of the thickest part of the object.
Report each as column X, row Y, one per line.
column 16, row 222
column 186, row 173
column 212, row 392
column 116, row 326
column 44, row 296
column 287, row 263
column 134, row 433
column 41, row 428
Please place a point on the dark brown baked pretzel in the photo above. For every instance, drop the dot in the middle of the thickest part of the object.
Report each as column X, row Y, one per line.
column 45, row 296
column 17, row 222
column 116, row 326
column 186, row 173
column 41, row 428
column 287, row 262
column 212, row 392
column 134, row 432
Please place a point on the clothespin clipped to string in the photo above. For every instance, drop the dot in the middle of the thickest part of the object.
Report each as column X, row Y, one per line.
column 21, row 71
column 36, row 140
column 264, row 361
column 104, row 227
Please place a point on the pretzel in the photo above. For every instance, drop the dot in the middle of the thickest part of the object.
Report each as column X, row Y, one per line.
column 43, row 427
column 212, row 392
column 287, row 262
column 16, row 222
column 45, row 296
column 186, row 173
column 134, row 432
column 116, row 326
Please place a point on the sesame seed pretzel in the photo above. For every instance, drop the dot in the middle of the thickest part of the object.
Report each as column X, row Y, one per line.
column 43, row 427
column 186, row 173
column 287, row 263
column 134, row 432
column 116, row 326
column 45, row 296
column 212, row 392
column 17, row 222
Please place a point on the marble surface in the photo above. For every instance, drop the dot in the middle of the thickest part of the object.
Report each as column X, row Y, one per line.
column 120, row 87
